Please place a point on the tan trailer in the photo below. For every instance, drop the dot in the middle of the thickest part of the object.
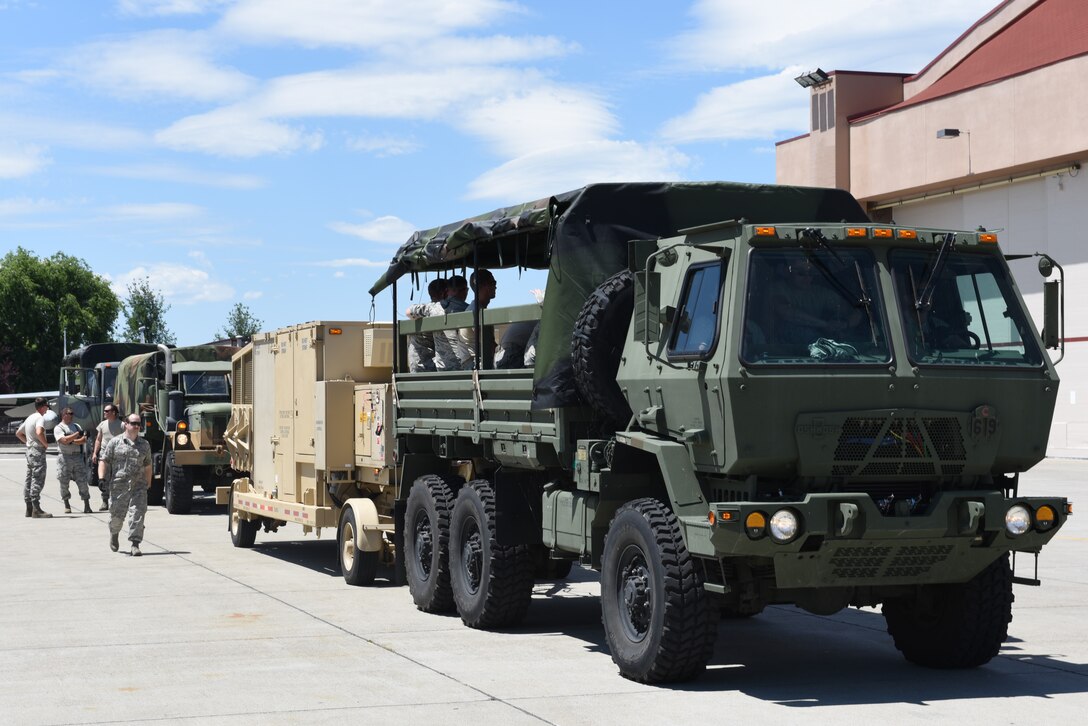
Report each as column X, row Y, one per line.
column 308, row 430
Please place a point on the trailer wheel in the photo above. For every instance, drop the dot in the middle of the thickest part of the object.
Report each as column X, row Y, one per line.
column 657, row 616
column 599, row 335
column 954, row 626
column 426, row 544
column 177, row 487
column 492, row 583
column 243, row 532
column 357, row 566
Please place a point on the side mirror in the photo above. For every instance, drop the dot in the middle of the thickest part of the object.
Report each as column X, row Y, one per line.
column 1046, row 266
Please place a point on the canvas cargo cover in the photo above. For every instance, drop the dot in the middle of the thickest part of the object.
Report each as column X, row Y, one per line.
column 136, row 373
column 91, row 355
column 581, row 238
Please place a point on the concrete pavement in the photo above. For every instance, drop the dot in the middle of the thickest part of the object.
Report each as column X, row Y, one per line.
column 197, row 631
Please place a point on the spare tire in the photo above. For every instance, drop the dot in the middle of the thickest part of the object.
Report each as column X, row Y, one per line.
column 599, row 335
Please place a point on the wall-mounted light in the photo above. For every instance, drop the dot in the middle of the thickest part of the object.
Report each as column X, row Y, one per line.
column 812, row 78
column 953, row 134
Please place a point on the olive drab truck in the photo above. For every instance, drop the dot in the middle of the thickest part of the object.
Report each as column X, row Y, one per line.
column 183, row 398
column 309, row 439
column 742, row 396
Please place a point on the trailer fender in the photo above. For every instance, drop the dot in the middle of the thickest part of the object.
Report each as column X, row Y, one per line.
column 368, row 535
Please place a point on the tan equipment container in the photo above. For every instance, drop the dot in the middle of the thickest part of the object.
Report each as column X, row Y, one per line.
column 308, row 429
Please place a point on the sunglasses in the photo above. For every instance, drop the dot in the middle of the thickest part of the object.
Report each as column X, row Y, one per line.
column 132, row 423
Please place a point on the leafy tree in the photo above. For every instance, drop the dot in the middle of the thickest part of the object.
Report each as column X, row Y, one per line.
column 240, row 323
column 42, row 300
column 145, row 315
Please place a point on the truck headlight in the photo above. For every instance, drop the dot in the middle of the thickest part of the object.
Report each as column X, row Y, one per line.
column 784, row 526
column 183, row 439
column 1017, row 520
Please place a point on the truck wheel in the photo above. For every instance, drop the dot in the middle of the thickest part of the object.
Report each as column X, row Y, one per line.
column 599, row 336
column 492, row 583
column 177, row 487
column 243, row 532
column 657, row 616
column 357, row 566
column 426, row 544
column 954, row 626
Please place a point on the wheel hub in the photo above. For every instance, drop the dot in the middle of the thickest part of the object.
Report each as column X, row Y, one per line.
column 472, row 557
column 424, row 547
column 637, row 610
column 349, row 546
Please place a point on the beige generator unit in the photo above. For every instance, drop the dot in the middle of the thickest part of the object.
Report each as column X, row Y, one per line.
column 308, row 434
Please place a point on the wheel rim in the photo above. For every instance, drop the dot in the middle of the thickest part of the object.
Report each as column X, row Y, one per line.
column 424, row 544
column 472, row 556
column 633, row 594
column 235, row 522
column 347, row 547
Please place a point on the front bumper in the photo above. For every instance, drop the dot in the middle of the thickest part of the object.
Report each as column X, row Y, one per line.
column 845, row 540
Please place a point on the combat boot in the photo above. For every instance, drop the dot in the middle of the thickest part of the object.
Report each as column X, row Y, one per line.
column 105, row 506
column 38, row 512
column 87, row 506
column 114, row 545
column 29, row 508
column 67, row 507
column 136, row 549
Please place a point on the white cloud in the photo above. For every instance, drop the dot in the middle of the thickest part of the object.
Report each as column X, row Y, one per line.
column 200, row 257
column 156, row 211
column 18, row 161
column 181, row 175
column 356, row 23
column 759, row 108
column 233, row 131
column 168, row 63
column 885, row 35
column 383, row 145
column 486, row 50
column 25, row 206
column 252, row 295
column 339, row 274
column 78, row 133
column 150, row 8
column 178, row 284
column 389, row 229
column 542, row 173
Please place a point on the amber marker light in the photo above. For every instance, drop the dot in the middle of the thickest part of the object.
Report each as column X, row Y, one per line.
column 989, row 238
column 1045, row 518
column 857, row 232
column 182, row 425
column 755, row 524
column 766, row 232
column 906, row 234
column 882, row 233
column 335, row 331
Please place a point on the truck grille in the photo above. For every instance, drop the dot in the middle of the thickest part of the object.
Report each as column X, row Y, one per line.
column 868, row 563
column 899, row 446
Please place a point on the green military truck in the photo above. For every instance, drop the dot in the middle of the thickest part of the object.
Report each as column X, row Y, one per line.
column 715, row 434
column 183, row 397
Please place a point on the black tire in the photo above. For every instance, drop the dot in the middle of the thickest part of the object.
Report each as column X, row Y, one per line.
column 599, row 335
column 426, row 544
column 954, row 626
column 243, row 532
column 657, row 617
column 357, row 567
column 492, row 583
column 177, row 487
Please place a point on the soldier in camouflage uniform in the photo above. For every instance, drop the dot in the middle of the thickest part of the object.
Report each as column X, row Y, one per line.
column 32, row 433
column 71, row 465
column 128, row 459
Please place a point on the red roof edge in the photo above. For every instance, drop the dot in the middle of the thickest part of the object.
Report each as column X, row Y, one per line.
column 795, row 138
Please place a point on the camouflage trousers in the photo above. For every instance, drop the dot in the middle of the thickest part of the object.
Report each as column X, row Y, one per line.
column 73, row 468
column 35, row 473
column 131, row 498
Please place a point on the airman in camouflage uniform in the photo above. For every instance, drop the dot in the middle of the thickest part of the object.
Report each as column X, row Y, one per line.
column 32, row 433
column 71, row 466
column 128, row 459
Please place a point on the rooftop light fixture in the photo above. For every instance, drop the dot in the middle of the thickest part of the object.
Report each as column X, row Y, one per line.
column 812, row 78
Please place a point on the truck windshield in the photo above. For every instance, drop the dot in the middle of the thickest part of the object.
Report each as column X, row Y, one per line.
column 975, row 317
column 205, row 384
column 813, row 306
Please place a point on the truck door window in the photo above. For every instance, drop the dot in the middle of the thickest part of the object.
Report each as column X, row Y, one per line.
column 696, row 323
column 975, row 317
column 808, row 306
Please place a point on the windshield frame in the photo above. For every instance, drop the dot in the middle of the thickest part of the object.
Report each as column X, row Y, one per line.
column 206, row 375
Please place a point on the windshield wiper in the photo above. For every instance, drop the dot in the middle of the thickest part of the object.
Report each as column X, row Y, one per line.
column 859, row 298
column 924, row 300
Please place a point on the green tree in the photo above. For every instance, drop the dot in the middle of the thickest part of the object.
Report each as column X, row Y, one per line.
column 43, row 300
column 240, row 323
column 145, row 315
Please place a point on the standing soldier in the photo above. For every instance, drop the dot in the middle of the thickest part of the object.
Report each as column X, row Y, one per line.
column 109, row 427
column 70, row 438
column 32, row 433
column 128, row 459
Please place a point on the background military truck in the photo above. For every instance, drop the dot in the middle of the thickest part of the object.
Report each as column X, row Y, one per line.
column 308, row 436
column 183, row 397
column 87, row 379
column 714, row 434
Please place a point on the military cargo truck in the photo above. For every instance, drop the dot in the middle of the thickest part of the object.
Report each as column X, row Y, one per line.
column 183, row 397
column 308, row 436
column 742, row 396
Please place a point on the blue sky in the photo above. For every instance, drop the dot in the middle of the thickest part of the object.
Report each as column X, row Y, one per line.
column 276, row 152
